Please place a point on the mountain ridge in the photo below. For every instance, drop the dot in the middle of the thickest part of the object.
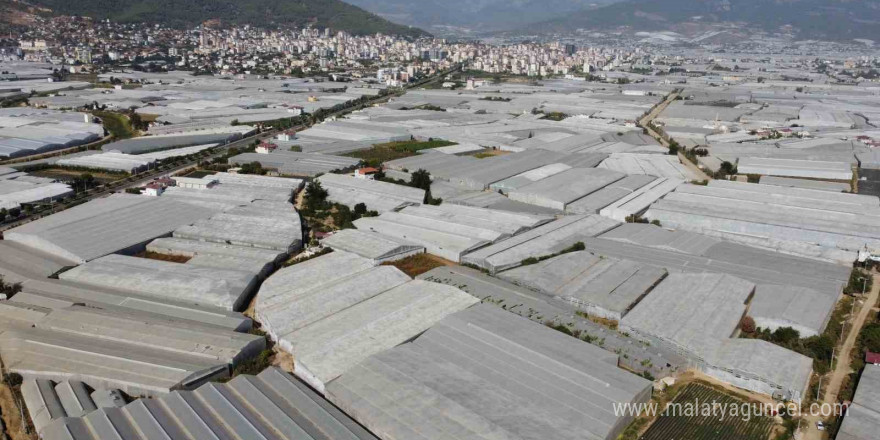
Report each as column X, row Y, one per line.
column 334, row 14
column 479, row 15
column 805, row 19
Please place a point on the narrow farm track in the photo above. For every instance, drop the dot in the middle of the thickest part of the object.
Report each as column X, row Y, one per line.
column 843, row 367
column 646, row 124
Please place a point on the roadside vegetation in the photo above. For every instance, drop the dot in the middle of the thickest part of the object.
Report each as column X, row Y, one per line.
column 860, row 281
column 819, row 348
column 82, row 178
column 868, row 341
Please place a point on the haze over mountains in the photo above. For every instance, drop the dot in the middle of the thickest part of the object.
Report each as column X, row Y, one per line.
column 475, row 15
column 804, row 19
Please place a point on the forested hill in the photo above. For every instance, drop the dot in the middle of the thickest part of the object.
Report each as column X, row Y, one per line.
column 182, row 13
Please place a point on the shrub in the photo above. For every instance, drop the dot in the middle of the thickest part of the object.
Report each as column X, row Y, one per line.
column 9, row 289
column 560, row 328
column 14, row 379
column 858, row 281
column 785, row 336
column 579, row 246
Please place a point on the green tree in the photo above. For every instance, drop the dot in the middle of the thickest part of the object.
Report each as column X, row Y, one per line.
column 786, row 336
column 727, row 168
column 820, row 348
column 316, row 196
column 360, row 209
column 421, row 179
column 253, row 168
column 870, row 337
column 83, row 182
column 343, row 217
column 137, row 122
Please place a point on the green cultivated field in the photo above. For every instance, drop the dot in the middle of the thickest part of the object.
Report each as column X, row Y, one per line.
column 381, row 153
column 699, row 427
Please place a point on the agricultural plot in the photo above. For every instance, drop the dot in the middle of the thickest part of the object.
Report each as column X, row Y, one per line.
column 701, row 413
column 381, row 153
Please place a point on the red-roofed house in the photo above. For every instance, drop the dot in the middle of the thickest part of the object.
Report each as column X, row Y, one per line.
column 154, row 189
column 266, row 148
column 365, row 173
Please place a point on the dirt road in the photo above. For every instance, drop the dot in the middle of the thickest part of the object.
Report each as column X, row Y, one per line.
column 646, row 121
column 656, row 112
column 843, row 367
